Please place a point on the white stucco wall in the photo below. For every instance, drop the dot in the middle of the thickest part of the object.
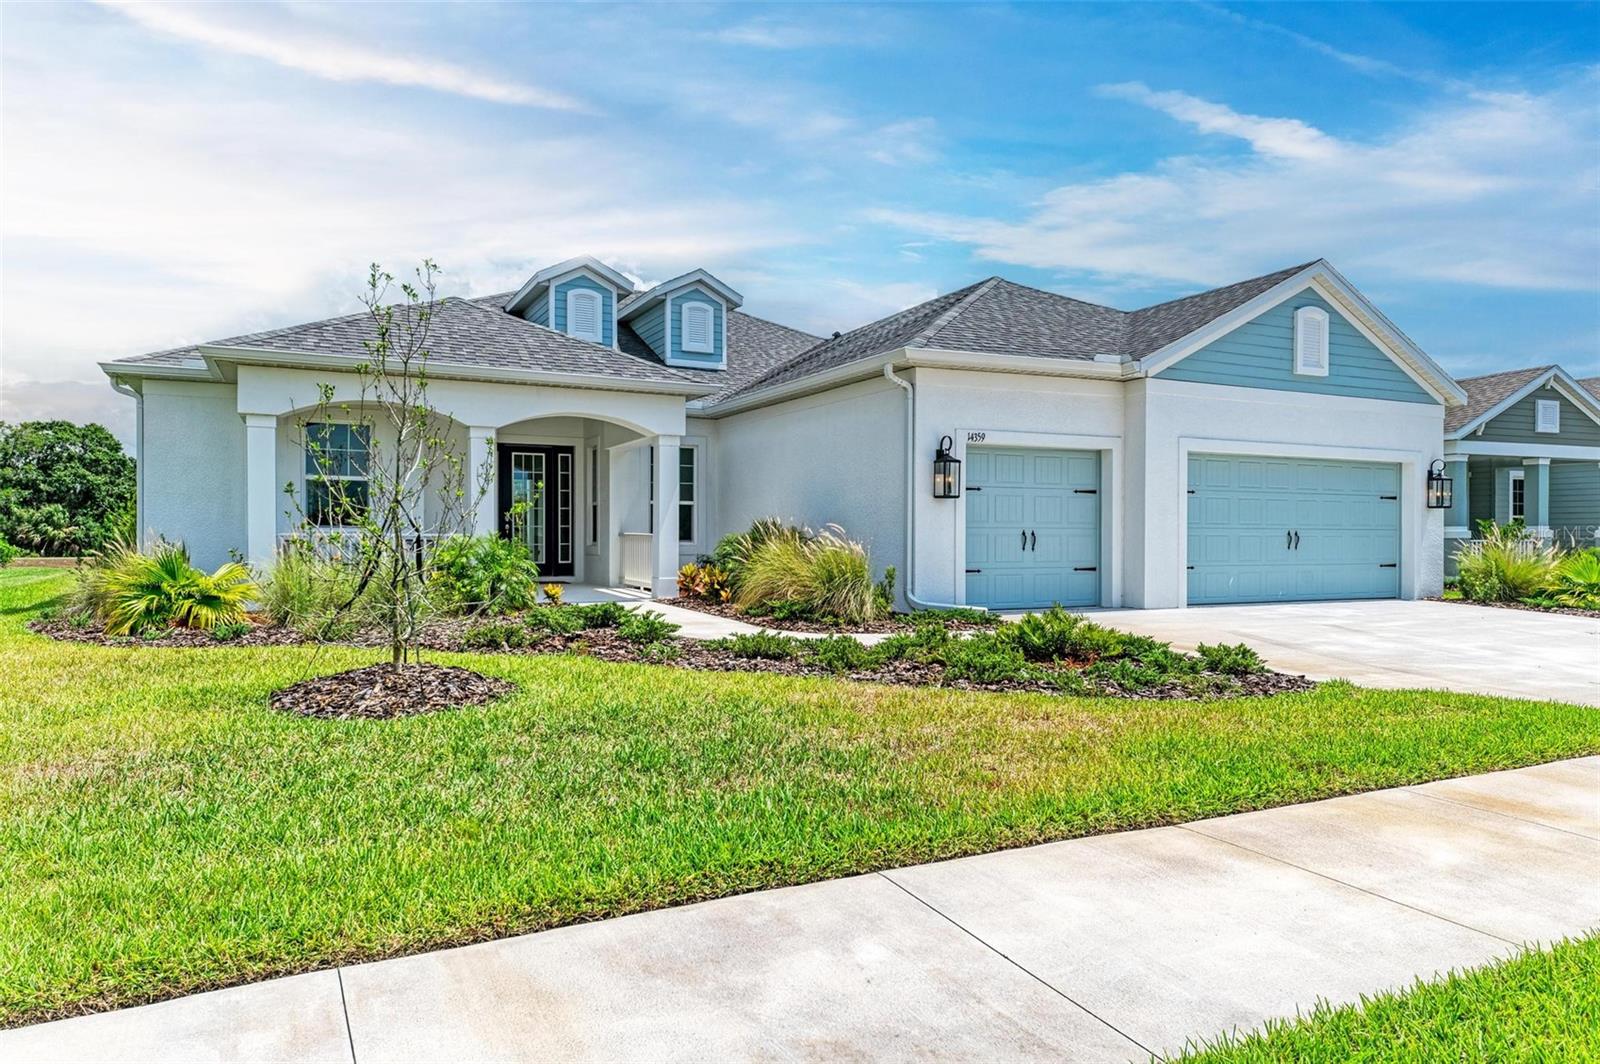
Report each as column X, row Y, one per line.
column 1181, row 417
column 1015, row 410
column 193, row 468
column 837, row 457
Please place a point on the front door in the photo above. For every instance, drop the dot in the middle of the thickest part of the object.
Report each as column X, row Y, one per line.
column 1033, row 527
column 535, row 488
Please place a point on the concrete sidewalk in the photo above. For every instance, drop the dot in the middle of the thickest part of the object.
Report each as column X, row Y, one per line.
column 1095, row 949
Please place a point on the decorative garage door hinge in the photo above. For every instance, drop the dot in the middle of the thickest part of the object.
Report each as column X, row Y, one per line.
column 974, row 570
column 1085, row 568
column 1085, row 491
column 1392, row 498
column 1388, row 565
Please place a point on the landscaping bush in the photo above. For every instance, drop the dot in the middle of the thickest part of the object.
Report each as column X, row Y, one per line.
column 704, row 580
column 769, row 645
column 951, row 615
column 646, row 626
column 984, row 658
column 828, row 573
column 1234, row 659
column 1504, row 565
column 311, row 594
column 734, row 550
column 1575, row 582
column 553, row 593
column 484, row 575
column 132, row 592
column 8, row 553
column 230, row 630
column 497, row 635
column 1046, row 636
column 558, row 620
column 604, row 614
column 843, row 653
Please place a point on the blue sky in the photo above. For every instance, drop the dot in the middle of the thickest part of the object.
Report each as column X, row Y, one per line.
column 181, row 173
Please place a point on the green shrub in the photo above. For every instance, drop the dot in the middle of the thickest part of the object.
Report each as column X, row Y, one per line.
column 484, row 575
column 704, row 580
column 558, row 620
column 660, row 652
column 769, row 645
column 927, row 644
column 1127, row 673
column 646, row 626
column 132, row 592
column 603, row 614
column 1504, row 566
column 497, row 635
column 1047, row 636
column 228, row 631
column 985, row 658
column 843, row 653
column 1576, row 581
column 827, row 572
column 952, row 615
column 8, row 553
column 734, row 550
column 1234, row 659
column 308, row 592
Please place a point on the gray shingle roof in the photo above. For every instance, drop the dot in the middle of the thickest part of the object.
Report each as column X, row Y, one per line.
column 1486, row 392
column 1591, row 385
column 1002, row 317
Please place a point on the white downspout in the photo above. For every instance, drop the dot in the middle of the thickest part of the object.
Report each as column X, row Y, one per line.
column 911, row 499
column 122, row 388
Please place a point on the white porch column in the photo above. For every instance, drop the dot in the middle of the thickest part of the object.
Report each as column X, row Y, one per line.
column 261, row 488
column 481, row 476
column 664, row 547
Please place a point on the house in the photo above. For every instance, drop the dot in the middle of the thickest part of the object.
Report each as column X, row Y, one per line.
column 1526, row 446
column 1268, row 440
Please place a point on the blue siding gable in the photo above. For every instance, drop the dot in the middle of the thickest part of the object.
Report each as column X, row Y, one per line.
column 714, row 360
column 652, row 328
column 1260, row 354
column 607, row 325
column 538, row 311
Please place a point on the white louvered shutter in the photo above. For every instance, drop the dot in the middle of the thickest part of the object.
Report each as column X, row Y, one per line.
column 697, row 328
column 1547, row 415
column 583, row 315
column 1311, row 342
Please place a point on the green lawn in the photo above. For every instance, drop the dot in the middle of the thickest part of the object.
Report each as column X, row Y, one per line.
column 162, row 830
column 1541, row 1006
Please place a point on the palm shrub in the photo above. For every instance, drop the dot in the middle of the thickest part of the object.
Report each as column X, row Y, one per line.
column 485, row 575
column 132, row 592
column 1504, row 566
column 1576, row 580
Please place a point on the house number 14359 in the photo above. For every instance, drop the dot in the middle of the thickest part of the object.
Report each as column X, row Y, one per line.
column 976, row 437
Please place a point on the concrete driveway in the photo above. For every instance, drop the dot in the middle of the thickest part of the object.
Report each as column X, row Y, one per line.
column 1096, row 949
column 1477, row 649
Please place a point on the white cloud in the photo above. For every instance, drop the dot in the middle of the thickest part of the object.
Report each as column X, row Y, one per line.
column 795, row 117
column 1492, row 189
column 331, row 59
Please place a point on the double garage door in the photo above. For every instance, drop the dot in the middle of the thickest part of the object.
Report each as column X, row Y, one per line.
column 1261, row 529
column 1286, row 529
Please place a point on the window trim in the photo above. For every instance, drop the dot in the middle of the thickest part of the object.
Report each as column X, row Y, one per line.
column 1517, row 476
column 307, row 477
column 1306, row 318
column 599, row 313
column 684, row 307
column 1539, row 407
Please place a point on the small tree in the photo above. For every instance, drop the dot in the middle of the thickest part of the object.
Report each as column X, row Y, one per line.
column 64, row 488
column 378, row 458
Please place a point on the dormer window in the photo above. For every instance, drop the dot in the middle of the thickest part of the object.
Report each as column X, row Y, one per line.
column 1311, row 342
column 583, row 314
column 697, row 328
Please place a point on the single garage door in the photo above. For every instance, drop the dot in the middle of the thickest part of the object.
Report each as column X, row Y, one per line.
column 1033, row 527
column 1286, row 529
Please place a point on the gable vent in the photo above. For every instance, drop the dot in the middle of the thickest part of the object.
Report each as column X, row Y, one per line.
column 1547, row 415
column 1311, row 342
column 583, row 315
column 697, row 328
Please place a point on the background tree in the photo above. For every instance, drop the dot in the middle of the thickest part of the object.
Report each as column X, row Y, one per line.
column 382, row 458
column 64, row 488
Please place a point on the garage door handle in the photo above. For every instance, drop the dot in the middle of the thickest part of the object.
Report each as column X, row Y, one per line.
column 1297, row 540
column 1288, row 540
column 1033, row 541
column 1024, row 539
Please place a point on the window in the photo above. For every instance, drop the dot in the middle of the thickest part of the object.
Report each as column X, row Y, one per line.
column 594, row 495
column 698, row 327
column 686, row 498
column 583, row 314
column 336, row 472
column 1547, row 415
column 1311, row 342
column 1519, row 503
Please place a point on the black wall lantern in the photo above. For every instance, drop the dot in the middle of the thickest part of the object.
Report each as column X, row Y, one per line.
column 1441, row 489
column 946, row 471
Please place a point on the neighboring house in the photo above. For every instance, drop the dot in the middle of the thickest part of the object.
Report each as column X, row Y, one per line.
column 1264, row 441
column 1526, row 446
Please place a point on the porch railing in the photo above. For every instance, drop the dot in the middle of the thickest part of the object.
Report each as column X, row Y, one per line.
column 635, row 549
column 344, row 544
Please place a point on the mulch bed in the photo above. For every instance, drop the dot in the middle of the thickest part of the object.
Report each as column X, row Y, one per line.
column 895, row 623
column 382, row 691
column 1570, row 611
column 448, row 635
